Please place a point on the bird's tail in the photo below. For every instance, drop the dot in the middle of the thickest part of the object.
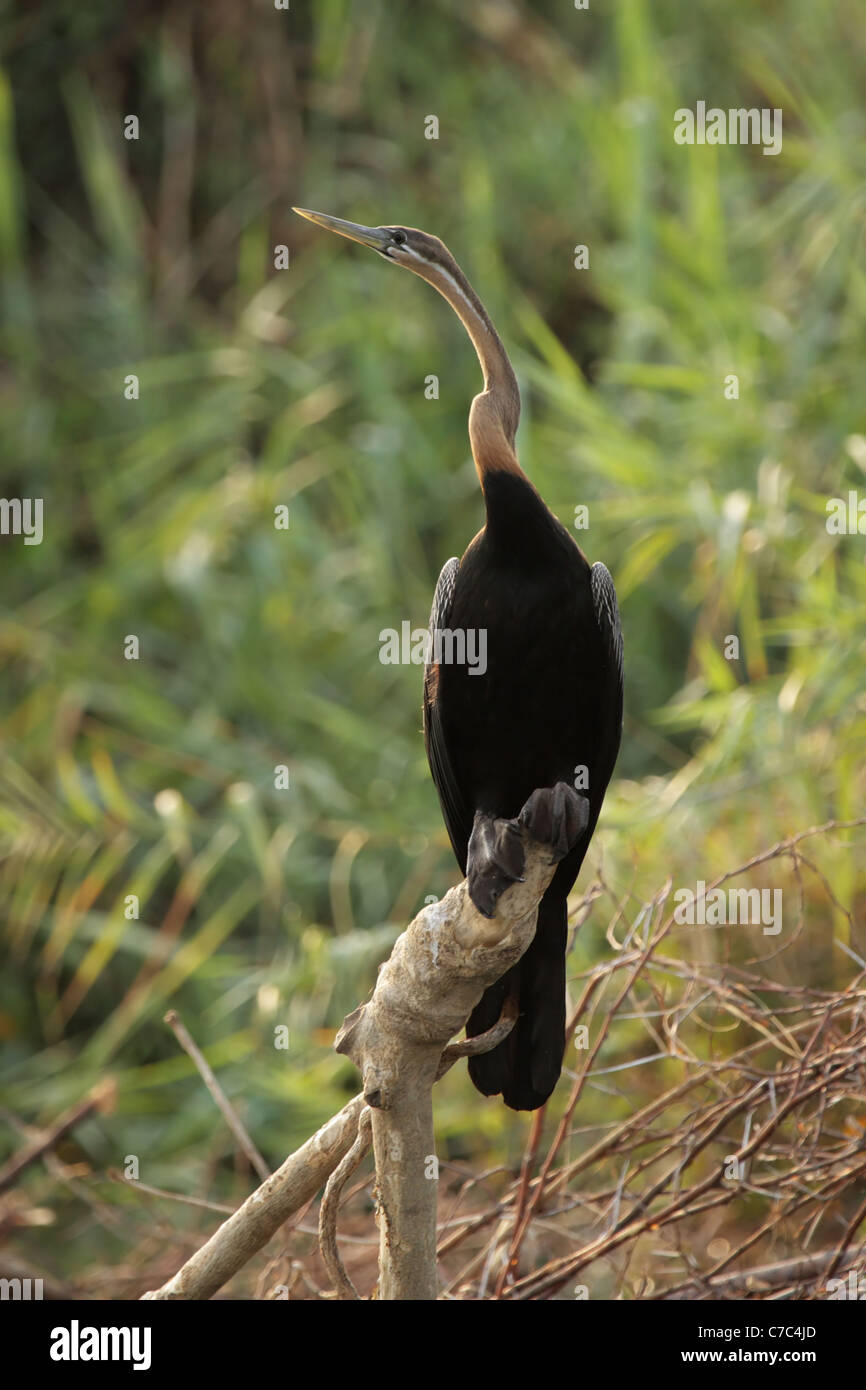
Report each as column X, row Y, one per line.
column 525, row 1067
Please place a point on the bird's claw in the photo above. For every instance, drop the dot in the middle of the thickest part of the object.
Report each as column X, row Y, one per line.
column 494, row 861
column 556, row 816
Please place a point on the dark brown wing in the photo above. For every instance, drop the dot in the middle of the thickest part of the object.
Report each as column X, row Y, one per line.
column 458, row 820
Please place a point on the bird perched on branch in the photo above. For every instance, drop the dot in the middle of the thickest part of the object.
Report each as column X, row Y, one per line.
column 532, row 740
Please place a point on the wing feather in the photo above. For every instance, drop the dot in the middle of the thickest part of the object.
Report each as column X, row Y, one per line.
column 457, row 820
column 609, row 625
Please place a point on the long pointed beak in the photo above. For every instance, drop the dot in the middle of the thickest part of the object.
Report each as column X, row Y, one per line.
column 376, row 237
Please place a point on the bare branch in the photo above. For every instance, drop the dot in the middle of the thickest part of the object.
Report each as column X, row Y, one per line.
column 175, row 1023
column 331, row 1205
column 437, row 972
column 101, row 1098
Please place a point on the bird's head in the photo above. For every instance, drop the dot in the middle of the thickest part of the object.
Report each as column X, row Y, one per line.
column 405, row 246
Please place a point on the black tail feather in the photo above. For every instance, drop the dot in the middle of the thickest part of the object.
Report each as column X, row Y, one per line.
column 526, row 1066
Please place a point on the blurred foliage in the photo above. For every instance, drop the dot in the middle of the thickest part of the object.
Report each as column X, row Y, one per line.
column 304, row 388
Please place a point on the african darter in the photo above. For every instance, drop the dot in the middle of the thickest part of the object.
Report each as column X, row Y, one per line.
column 533, row 740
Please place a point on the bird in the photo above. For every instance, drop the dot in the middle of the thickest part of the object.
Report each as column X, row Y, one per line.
column 529, row 743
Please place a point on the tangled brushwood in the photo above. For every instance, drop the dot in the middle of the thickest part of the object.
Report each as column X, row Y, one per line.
column 712, row 1143
column 743, row 1176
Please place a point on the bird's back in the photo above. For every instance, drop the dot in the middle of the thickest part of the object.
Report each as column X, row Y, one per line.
column 531, row 718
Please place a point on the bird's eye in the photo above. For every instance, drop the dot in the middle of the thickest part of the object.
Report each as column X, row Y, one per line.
column 398, row 238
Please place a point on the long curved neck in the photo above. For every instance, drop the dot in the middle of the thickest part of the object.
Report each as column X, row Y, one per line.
column 495, row 413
